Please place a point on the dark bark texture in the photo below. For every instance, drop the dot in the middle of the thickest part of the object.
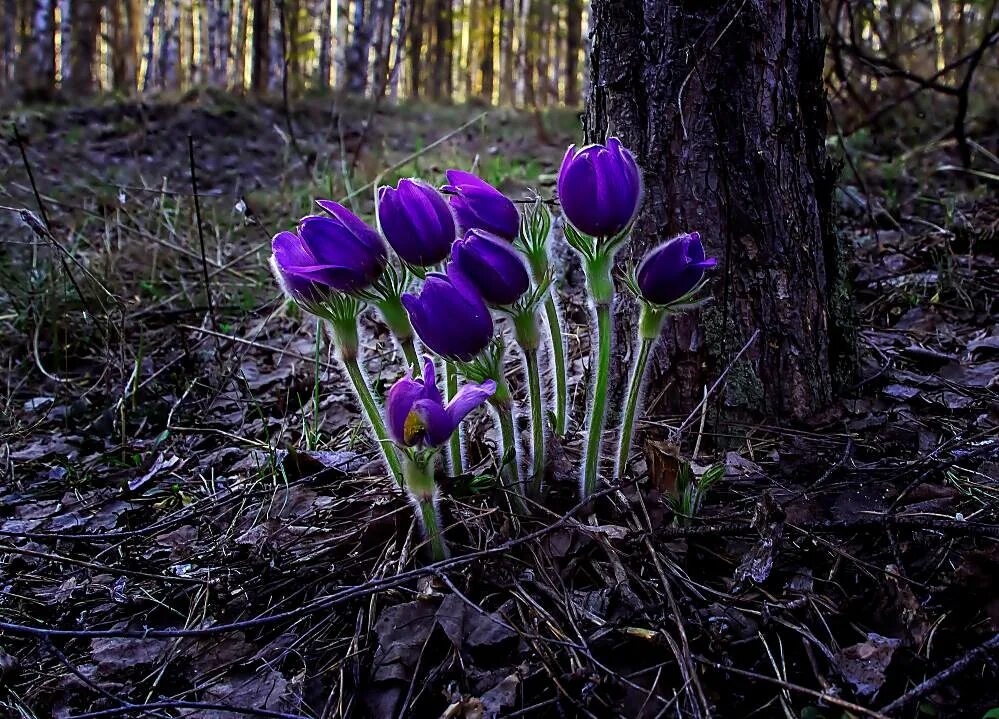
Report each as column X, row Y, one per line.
column 724, row 106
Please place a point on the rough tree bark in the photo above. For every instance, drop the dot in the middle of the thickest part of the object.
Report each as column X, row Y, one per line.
column 724, row 106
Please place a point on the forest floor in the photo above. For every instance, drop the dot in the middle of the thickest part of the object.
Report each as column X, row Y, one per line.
column 187, row 528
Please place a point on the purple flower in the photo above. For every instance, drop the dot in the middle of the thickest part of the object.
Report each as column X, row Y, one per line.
column 338, row 252
column 416, row 413
column 416, row 221
column 673, row 269
column 477, row 204
column 491, row 265
column 450, row 316
column 600, row 187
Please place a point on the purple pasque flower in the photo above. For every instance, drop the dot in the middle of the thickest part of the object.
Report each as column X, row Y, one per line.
column 450, row 316
column 491, row 265
column 338, row 252
column 673, row 269
column 416, row 413
column 416, row 221
column 600, row 188
column 477, row 204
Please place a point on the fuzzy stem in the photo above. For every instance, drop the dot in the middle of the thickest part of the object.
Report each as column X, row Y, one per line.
column 537, row 420
column 558, row 366
column 412, row 358
column 454, row 445
column 374, row 417
column 630, row 409
column 419, row 477
column 598, row 406
column 511, row 471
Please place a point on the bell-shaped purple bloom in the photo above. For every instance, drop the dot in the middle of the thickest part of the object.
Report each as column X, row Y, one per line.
column 339, row 252
column 673, row 269
column 416, row 413
column 491, row 265
column 450, row 316
column 477, row 204
column 600, row 188
column 416, row 221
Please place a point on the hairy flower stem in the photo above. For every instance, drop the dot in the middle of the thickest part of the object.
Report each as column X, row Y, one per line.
column 374, row 416
column 419, row 478
column 409, row 351
column 537, row 420
column 598, row 405
column 558, row 366
column 502, row 402
column 454, row 445
column 631, row 407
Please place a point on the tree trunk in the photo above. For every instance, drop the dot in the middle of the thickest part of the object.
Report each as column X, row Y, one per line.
column 260, row 63
column 325, row 42
column 573, row 43
column 487, row 62
column 724, row 107
column 415, row 52
column 85, row 17
column 35, row 67
column 356, row 60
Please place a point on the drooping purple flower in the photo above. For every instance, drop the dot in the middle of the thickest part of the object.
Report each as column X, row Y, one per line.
column 341, row 253
column 450, row 316
column 673, row 269
column 477, row 204
column 600, row 188
column 491, row 265
column 416, row 221
column 416, row 413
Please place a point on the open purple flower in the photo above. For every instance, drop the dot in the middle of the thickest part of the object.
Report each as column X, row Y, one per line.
column 416, row 413
column 339, row 252
column 450, row 316
column 600, row 188
column 477, row 204
column 491, row 265
column 673, row 269
column 416, row 221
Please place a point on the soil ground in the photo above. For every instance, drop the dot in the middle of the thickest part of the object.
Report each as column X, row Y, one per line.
column 189, row 528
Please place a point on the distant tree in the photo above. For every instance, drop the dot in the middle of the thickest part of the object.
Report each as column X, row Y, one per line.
column 573, row 44
column 260, row 67
column 84, row 24
column 725, row 107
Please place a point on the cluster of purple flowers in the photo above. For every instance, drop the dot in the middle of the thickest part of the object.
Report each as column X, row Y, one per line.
column 466, row 242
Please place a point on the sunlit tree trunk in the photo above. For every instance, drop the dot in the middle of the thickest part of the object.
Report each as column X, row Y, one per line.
column 395, row 69
column 260, row 62
column 724, row 105
column 239, row 45
column 149, row 43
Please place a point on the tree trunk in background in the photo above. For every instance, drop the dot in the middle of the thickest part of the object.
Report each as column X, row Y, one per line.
column 149, row 43
column 239, row 46
column 260, row 63
column 470, row 59
column 573, row 43
column 508, row 59
column 415, row 51
column 487, row 64
column 84, row 21
column 35, row 67
column 442, row 82
column 356, row 59
column 725, row 109
column 325, row 49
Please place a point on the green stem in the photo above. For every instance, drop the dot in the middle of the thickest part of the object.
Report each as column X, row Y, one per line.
column 454, row 445
column 409, row 350
column 558, row 366
column 598, row 406
column 537, row 420
column 428, row 516
column 374, row 417
column 631, row 407
column 419, row 482
column 511, row 466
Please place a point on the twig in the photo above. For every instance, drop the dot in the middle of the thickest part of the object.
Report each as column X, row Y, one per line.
column 179, row 704
column 920, row 690
column 201, row 234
